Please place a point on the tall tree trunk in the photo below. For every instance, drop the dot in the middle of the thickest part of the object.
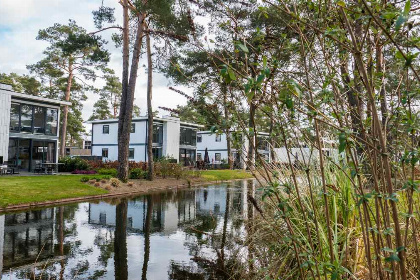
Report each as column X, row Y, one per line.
column 128, row 88
column 227, row 129
column 252, row 142
column 149, row 109
column 66, row 112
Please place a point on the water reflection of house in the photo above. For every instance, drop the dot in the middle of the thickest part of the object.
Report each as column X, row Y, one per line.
column 212, row 200
column 27, row 237
column 166, row 215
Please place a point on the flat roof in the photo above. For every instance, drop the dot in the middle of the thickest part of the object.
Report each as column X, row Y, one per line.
column 144, row 118
column 22, row 96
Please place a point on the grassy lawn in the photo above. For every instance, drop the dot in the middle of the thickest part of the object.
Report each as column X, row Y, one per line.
column 20, row 190
column 224, row 175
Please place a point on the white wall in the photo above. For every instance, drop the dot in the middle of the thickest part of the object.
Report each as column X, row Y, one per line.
column 138, row 140
column 209, row 141
column 5, row 104
column 171, row 133
column 303, row 155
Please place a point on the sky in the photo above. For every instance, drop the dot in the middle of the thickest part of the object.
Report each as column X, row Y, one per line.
column 19, row 25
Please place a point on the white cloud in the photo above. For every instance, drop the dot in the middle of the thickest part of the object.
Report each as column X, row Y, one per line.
column 19, row 25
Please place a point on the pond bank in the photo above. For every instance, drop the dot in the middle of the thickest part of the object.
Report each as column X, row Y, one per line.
column 20, row 193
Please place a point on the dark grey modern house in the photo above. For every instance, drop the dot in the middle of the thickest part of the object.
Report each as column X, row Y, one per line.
column 29, row 128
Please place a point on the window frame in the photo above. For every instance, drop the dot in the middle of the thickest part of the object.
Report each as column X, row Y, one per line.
column 129, row 152
column 199, row 138
column 218, row 137
column 103, row 128
column 133, row 128
column 220, row 157
column 107, row 152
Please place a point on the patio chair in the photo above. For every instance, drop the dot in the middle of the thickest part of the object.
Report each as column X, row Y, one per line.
column 38, row 167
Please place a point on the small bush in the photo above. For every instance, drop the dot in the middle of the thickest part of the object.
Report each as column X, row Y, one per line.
column 103, row 181
column 137, row 173
column 84, row 179
column 108, row 171
column 92, row 181
column 71, row 164
column 115, row 182
column 177, row 171
column 97, row 184
column 106, row 177
column 108, row 187
column 130, row 184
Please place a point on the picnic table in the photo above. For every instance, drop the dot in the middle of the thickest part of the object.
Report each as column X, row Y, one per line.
column 51, row 167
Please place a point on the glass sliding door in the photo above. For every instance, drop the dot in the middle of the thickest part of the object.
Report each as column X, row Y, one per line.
column 13, row 152
column 187, row 157
column 38, row 153
column 27, row 153
column 24, row 154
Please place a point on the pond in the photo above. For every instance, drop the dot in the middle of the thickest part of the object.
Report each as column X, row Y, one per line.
column 183, row 234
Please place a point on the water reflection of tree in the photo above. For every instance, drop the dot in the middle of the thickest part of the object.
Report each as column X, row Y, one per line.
column 147, row 228
column 204, row 229
column 120, row 241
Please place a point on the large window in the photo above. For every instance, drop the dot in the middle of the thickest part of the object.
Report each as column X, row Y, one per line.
column 88, row 145
column 33, row 119
column 187, row 157
column 188, row 136
column 199, row 138
column 157, row 133
column 39, row 120
column 26, row 118
column 262, row 143
column 133, row 128
column 217, row 157
column 131, row 153
column 218, row 138
column 14, row 117
column 51, row 122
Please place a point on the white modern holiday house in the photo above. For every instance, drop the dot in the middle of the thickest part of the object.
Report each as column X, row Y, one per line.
column 216, row 145
column 28, row 128
column 171, row 138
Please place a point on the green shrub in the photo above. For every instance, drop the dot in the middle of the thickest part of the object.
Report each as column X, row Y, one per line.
column 108, row 171
column 106, row 177
column 70, row 164
column 138, row 173
column 84, row 179
column 178, row 172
